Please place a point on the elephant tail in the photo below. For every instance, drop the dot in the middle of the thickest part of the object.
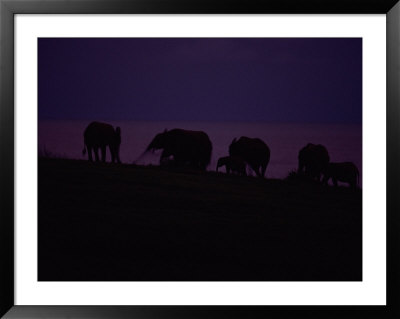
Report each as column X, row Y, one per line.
column 84, row 150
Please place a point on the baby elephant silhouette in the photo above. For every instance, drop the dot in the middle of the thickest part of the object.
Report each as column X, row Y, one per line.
column 345, row 172
column 232, row 163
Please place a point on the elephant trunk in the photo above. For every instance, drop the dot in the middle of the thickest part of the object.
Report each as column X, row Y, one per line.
column 150, row 148
column 140, row 157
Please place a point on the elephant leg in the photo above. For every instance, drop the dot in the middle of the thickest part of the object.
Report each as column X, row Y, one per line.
column 96, row 153
column 89, row 149
column 103, row 153
column 254, row 169
column 263, row 169
column 258, row 171
column 117, row 156
column 112, row 153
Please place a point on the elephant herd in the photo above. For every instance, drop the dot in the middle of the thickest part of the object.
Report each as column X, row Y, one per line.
column 193, row 149
column 314, row 163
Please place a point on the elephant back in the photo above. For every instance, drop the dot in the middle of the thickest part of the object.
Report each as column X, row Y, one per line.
column 192, row 145
column 252, row 150
column 314, row 154
column 98, row 133
column 346, row 172
column 322, row 153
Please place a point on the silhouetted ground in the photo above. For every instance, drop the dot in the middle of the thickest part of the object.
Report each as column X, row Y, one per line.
column 129, row 223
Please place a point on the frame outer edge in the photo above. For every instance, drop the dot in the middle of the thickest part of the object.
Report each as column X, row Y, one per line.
column 393, row 156
column 7, row 151
column 6, row 158
column 201, row 6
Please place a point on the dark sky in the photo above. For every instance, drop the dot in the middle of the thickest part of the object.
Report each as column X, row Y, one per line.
column 220, row 79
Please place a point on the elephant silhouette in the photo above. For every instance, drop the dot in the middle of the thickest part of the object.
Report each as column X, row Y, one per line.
column 232, row 163
column 312, row 160
column 253, row 151
column 187, row 148
column 100, row 136
column 346, row 172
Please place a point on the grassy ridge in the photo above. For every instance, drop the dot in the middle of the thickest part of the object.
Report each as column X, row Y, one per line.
column 126, row 222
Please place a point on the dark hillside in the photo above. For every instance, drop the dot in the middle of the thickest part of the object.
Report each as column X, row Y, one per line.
column 129, row 223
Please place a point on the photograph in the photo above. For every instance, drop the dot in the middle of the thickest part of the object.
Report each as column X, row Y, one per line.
column 200, row 159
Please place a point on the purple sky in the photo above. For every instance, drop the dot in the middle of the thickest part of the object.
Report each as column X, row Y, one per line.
column 220, row 79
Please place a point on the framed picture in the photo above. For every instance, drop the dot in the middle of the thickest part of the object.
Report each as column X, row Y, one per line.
column 232, row 158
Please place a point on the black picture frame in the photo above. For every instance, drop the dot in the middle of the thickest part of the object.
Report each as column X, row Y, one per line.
column 8, row 8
